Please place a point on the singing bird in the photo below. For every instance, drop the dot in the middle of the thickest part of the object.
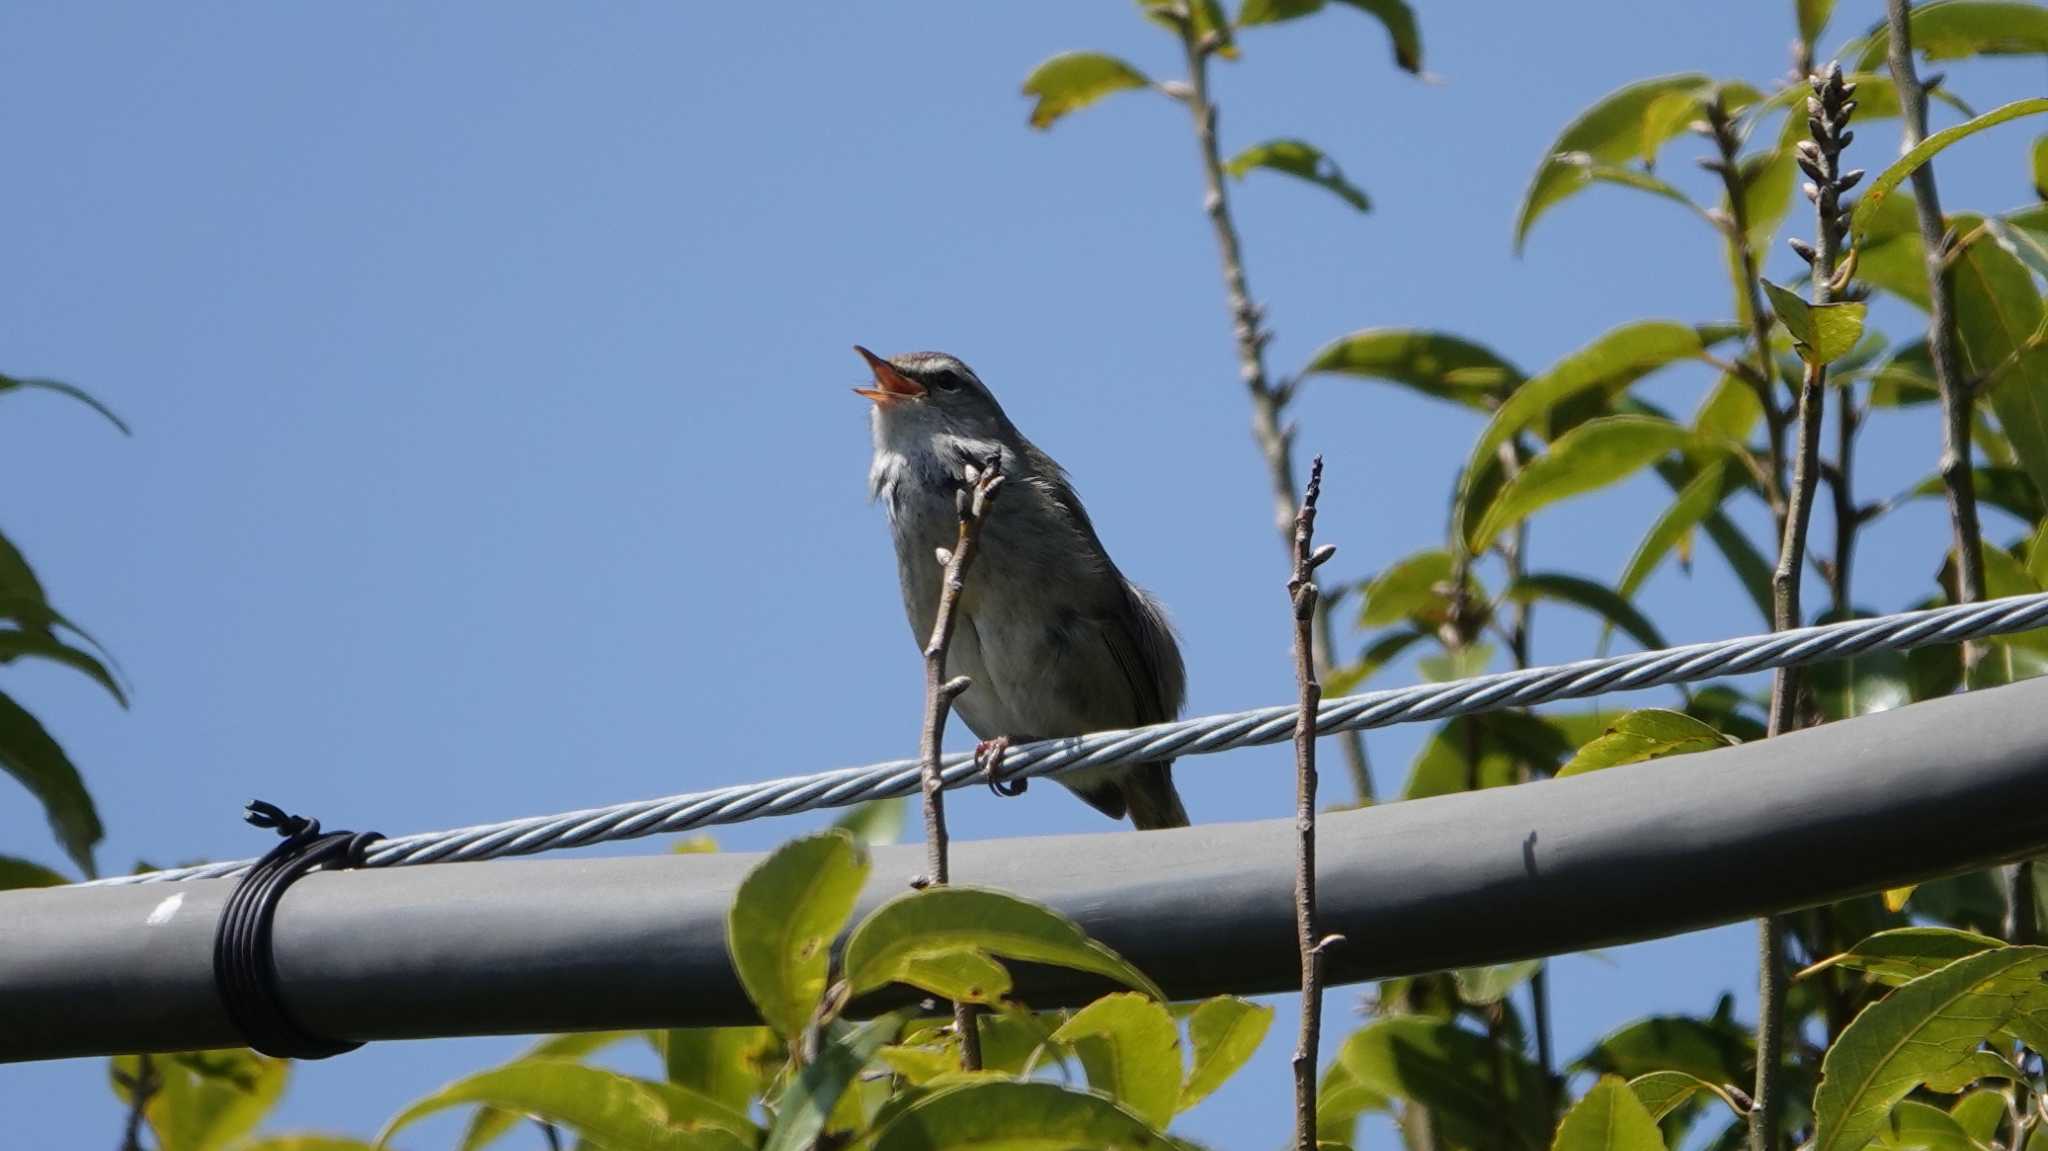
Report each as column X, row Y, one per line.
column 1056, row 641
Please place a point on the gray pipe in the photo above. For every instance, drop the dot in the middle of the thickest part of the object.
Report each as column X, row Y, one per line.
column 527, row 946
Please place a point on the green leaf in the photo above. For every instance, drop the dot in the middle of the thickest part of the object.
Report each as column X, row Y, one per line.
column 1439, row 1065
column 1340, row 1100
column 1302, row 160
column 729, row 1064
column 1611, row 131
column 1998, row 310
column 1980, row 1113
column 1928, row 148
column 1588, row 170
column 939, row 920
column 1207, row 16
column 874, row 823
column 1462, row 663
column 1505, row 742
column 17, row 580
column 1224, row 1033
column 1953, row 30
column 1437, row 364
column 42, row 645
column 1813, row 18
column 1014, row 1116
column 783, row 920
column 2030, row 246
column 1906, row 378
column 1396, row 15
column 1697, row 500
column 1729, row 412
column 2008, row 489
column 1378, row 655
column 17, row 383
column 489, row 1124
column 616, row 1111
column 29, row 755
column 1608, row 1117
column 306, row 1141
column 1916, row 1126
column 1413, row 587
column 1890, row 255
column 1822, row 333
column 963, row 976
column 1918, row 1033
column 1488, row 985
column 1767, row 182
column 2041, row 167
column 1728, row 710
column 1594, row 455
column 205, row 1100
column 18, row 873
column 1714, row 1050
column 1662, row 1092
column 1073, row 80
column 1594, row 597
column 1615, row 360
column 1903, row 954
column 1652, row 733
column 807, row 1102
column 1130, row 1048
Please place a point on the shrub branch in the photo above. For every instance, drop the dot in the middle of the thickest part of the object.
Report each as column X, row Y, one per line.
column 1301, row 590
column 972, row 501
column 1269, row 397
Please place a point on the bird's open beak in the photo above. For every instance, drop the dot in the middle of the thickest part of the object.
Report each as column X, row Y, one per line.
column 891, row 386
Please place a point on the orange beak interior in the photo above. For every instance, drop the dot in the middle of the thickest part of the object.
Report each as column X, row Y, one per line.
column 890, row 384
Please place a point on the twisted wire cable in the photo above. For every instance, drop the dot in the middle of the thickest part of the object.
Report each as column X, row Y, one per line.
column 739, row 803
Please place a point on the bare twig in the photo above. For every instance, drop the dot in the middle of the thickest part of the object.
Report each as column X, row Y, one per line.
column 1841, row 483
column 1828, row 112
column 1941, row 329
column 1515, row 554
column 972, row 502
column 1761, row 376
column 1956, row 477
column 1268, row 397
column 1301, row 590
column 141, row 1089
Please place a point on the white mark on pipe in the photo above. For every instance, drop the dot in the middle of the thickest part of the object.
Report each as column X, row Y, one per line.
column 165, row 910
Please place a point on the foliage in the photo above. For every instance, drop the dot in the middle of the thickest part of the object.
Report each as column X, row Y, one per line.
column 32, row 629
column 1919, row 1024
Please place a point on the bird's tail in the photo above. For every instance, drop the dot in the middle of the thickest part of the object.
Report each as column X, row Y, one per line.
column 1151, row 799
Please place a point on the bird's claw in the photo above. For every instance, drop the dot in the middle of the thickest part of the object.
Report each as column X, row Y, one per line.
column 988, row 755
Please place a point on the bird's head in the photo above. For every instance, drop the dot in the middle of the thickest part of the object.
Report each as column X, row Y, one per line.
column 932, row 393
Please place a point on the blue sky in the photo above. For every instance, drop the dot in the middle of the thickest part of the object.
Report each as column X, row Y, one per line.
column 493, row 453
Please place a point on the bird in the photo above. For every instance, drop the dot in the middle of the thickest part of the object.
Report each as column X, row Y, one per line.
column 1055, row 641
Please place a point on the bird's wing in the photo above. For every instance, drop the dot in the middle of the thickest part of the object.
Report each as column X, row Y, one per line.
column 1141, row 642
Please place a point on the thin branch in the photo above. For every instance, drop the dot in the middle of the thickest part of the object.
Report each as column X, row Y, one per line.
column 1515, row 553
column 1301, row 591
column 1760, row 375
column 1956, row 476
column 1841, row 484
column 1828, row 113
column 141, row 1089
column 551, row 1134
column 1268, row 397
column 972, row 502
column 1941, row 330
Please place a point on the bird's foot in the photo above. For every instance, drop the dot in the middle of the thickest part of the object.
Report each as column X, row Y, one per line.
column 988, row 755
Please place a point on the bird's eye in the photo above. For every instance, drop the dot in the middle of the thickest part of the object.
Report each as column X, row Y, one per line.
column 947, row 382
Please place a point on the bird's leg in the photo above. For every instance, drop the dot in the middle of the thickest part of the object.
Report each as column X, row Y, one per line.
column 988, row 755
